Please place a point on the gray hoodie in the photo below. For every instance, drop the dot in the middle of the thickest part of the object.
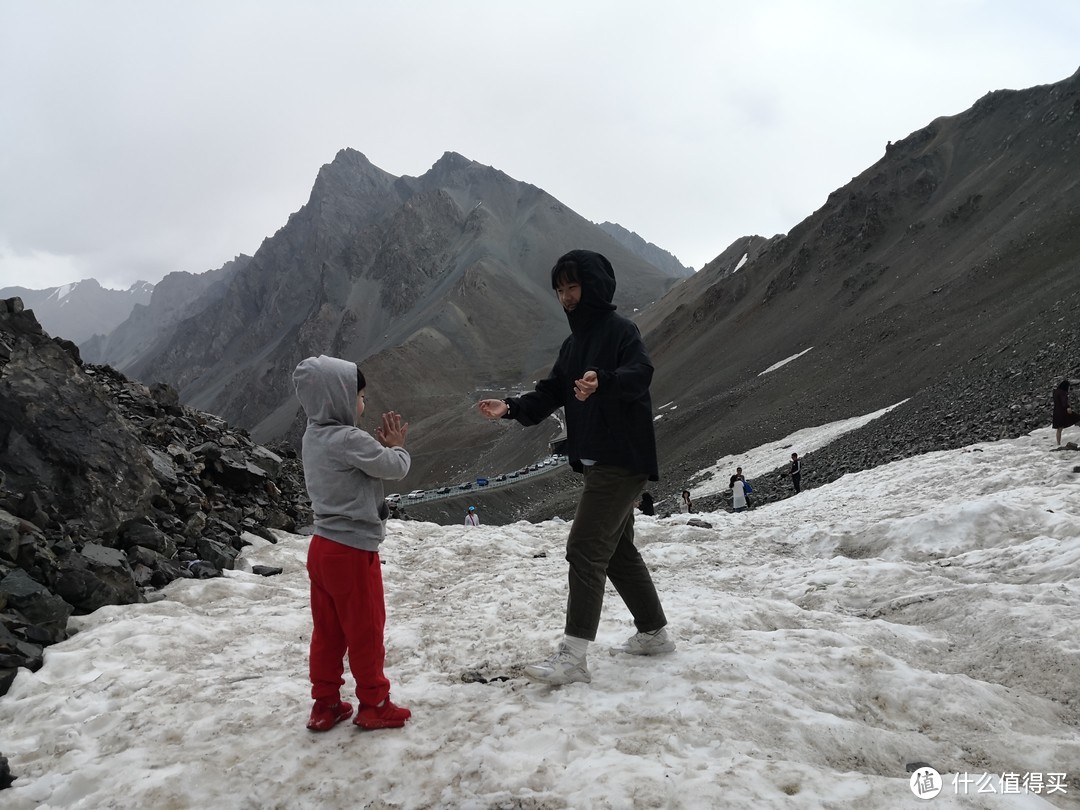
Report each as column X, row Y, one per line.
column 344, row 466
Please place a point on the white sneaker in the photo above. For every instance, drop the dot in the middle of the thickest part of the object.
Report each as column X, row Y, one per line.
column 655, row 643
column 561, row 667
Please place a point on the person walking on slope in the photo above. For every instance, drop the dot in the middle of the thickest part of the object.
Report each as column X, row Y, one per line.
column 686, row 506
column 738, row 493
column 1063, row 413
column 747, row 489
column 796, row 472
column 471, row 518
column 344, row 468
column 601, row 378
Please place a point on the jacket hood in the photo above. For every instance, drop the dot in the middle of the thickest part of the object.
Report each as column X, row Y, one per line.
column 326, row 387
column 597, row 279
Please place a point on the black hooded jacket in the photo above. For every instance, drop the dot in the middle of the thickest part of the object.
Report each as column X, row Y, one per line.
column 615, row 424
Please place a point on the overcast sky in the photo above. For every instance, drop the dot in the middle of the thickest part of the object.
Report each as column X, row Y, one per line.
column 144, row 137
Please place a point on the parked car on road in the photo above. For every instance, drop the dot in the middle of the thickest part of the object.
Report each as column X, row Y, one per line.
column 442, row 491
column 466, row 485
column 416, row 493
column 481, row 482
column 393, row 497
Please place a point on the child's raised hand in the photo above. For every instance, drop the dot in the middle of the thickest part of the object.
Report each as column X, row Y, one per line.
column 492, row 408
column 392, row 431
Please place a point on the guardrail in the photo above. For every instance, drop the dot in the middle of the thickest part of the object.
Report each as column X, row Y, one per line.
column 457, row 491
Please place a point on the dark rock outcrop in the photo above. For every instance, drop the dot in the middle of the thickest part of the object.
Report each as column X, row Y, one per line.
column 109, row 487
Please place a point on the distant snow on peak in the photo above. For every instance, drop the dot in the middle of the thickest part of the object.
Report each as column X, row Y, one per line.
column 783, row 362
column 742, row 261
column 81, row 309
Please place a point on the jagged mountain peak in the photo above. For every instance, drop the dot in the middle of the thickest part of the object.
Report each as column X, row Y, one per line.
column 453, row 169
column 351, row 158
column 350, row 173
column 452, row 160
column 442, row 279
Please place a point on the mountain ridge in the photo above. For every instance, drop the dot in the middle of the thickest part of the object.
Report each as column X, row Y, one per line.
column 907, row 275
column 441, row 278
column 79, row 310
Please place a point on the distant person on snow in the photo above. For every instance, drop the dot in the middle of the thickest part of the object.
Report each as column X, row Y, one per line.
column 747, row 489
column 796, row 472
column 344, row 468
column 738, row 494
column 1063, row 413
column 601, row 378
column 646, row 504
column 686, row 506
column 471, row 518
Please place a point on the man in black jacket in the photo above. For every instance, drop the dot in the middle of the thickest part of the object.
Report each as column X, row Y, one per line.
column 601, row 378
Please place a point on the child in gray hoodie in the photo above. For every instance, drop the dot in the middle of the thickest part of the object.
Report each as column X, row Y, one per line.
column 344, row 468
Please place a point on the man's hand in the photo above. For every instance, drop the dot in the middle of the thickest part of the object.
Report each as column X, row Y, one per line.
column 492, row 408
column 392, row 431
column 586, row 386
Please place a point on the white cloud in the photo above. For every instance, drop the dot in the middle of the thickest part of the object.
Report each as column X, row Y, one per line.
column 153, row 137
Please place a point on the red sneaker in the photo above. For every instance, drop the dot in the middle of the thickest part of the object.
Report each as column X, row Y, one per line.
column 385, row 715
column 326, row 714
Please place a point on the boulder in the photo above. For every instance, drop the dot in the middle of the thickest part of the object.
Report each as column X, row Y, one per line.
column 144, row 533
column 217, row 554
column 6, row 778
column 95, row 577
column 44, row 612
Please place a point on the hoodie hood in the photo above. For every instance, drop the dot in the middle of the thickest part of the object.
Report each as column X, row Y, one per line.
column 597, row 279
column 326, row 387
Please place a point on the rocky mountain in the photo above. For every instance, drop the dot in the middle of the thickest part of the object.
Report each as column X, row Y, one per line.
column 654, row 255
column 149, row 324
column 946, row 275
column 439, row 285
column 77, row 311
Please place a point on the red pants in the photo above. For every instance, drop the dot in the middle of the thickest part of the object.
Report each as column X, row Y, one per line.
column 349, row 614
